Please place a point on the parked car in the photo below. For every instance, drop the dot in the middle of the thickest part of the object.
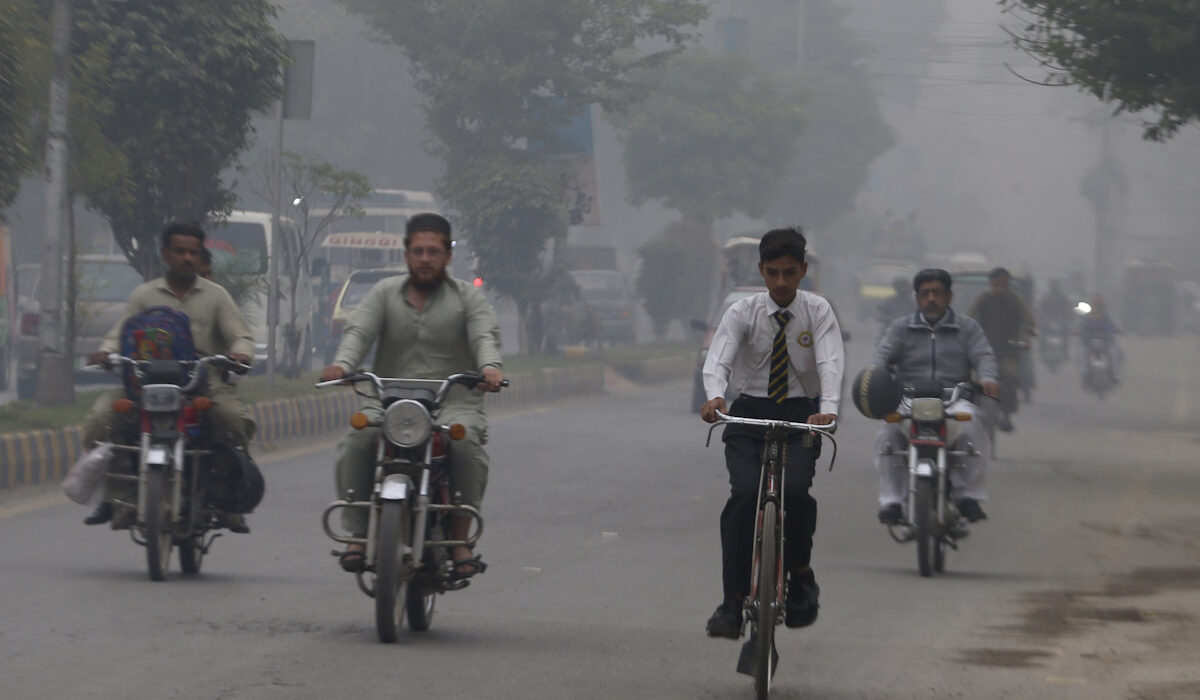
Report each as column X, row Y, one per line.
column 605, row 311
column 353, row 290
column 104, row 285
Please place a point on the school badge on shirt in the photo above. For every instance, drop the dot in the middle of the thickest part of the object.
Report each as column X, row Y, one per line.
column 805, row 339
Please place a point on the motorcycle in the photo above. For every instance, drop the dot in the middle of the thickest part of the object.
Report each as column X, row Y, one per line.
column 406, row 560
column 185, row 481
column 1098, row 374
column 1054, row 345
column 933, row 519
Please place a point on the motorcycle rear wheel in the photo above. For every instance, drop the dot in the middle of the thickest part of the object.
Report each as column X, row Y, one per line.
column 767, row 575
column 158, row 526
column 190, row 556
column 922, row 519
column 391, row 579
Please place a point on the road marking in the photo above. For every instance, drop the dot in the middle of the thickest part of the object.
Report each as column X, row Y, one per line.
column 532, row 570
column 608, row 536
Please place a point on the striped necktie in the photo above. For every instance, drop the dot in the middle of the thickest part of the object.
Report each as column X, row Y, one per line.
column 777, row 381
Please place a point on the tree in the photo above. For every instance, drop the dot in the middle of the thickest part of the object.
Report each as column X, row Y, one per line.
column 181, row 81
column 845, row 131
column 312, row 185
column 686, row 249
column 1136, row 55
column 712, row 138
column 17, row 153
column 481, row 66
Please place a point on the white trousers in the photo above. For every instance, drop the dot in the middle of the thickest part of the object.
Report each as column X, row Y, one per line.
column 966, row 480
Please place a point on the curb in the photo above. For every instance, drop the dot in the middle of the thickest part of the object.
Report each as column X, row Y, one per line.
column 40, row 456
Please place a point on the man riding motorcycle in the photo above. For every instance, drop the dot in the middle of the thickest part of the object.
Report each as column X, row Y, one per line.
column 1008, row 322
column 428, row 326
column 1097, row 324
column 218, row 327
column 935, row 343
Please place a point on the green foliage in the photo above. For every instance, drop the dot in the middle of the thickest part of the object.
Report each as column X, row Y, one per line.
column 676, row 274
column 174, row 98
column 479, row 63
column 713, row 137
column 514, row 208
column 17, row 65
column 239, row 275
column 480, row 66
column 845, row 131
column 1136, row 55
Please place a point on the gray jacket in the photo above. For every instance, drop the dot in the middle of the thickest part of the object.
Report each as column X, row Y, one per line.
column 947, row 351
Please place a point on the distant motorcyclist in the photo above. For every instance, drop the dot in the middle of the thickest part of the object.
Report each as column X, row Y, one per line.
column 935, row 343
column 1055, row 314
column 1097, row 324
column 1008, row 322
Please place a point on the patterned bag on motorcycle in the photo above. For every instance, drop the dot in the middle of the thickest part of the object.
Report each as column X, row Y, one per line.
column 158, row 333
column 239, row 485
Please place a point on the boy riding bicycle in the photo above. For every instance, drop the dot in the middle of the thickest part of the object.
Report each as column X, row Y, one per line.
column 781, row 353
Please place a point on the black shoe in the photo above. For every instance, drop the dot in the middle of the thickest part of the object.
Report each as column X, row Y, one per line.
column 800, row 610
column 101, row 515
column 969, row 509
column 726, row 621
column 891, row 514
column 236, row 522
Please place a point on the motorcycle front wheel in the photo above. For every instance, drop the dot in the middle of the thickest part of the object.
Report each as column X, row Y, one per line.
column 923, row 521
column 391, row 579
column 158, row 526
column 767, row 575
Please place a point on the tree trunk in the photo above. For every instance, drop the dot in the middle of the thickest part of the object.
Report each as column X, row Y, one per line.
column 522, row 323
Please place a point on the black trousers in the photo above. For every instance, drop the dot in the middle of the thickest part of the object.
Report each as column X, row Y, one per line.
column 743, row 459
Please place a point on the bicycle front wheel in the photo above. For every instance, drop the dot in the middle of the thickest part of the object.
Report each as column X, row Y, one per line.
column 768, row 573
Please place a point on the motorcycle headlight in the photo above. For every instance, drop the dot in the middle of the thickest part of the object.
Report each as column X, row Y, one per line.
column 407, row 423
column 927, row 409
column 159, row 398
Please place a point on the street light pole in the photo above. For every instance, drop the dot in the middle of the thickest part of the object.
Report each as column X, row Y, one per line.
column 55, row 380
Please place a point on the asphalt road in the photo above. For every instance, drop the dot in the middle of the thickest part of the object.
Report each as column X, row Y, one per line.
column 603, row 544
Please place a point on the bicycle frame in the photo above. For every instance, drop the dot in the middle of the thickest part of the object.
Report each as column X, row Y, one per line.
column 770, row 490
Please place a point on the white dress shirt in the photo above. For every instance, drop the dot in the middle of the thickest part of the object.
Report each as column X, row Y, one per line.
column 740, row 350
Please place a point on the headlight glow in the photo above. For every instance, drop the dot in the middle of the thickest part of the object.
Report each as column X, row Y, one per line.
column 927, row 409
column 407, row 423
column 158, row 398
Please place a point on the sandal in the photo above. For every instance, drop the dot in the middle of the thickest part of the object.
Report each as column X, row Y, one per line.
column 466, row 568
column 351, row 560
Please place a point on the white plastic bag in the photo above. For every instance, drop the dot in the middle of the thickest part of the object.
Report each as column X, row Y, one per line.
column 87, row 474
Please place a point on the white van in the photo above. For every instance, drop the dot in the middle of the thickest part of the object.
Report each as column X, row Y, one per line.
column 241, row 246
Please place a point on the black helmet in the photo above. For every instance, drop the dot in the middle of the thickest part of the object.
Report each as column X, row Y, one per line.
column 876, row 392
column 237, row 486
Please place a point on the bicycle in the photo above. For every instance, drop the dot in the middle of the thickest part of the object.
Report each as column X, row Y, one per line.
column 764, row 607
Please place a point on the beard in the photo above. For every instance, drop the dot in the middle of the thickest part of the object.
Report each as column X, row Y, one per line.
column 429, row 285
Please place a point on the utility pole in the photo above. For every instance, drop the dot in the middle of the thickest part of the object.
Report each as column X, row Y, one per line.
column 55, row 379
